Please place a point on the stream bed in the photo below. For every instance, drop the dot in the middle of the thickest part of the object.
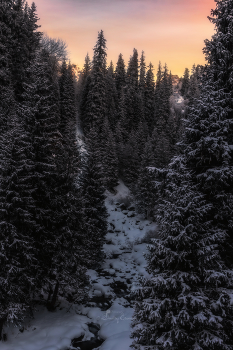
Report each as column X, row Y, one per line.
column 93, row 343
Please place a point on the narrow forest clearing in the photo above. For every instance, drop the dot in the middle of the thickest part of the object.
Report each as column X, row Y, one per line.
column 109, row 312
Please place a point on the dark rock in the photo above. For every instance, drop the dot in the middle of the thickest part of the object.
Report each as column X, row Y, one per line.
column 122, row 206
column 115, row 255
column 75, row 340
column 88, row 344
column 131, row 208
column 119, row 288
column 93, row 328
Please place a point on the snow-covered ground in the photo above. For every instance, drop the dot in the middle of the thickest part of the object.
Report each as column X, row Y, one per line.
column 110, row 308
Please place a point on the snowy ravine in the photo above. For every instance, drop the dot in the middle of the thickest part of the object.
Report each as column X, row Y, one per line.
column 109, row 310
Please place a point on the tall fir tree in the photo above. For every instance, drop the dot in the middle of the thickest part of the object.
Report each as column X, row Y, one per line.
column 120, row 75
column 142, row 73
column 133, row 98
column 132, row 71
column 187, row 301
column 131, row 160
column 94, row 212
column 55, row 172
column 141, row 136
column 145, row 190
column 93, row 109
column 24, row 42
column 17, row 250
column 149, row 101
column 86, row 67
column 19, row 266
column 185, row 84
column 111, row 97
column 109, row 159
column 73, row 282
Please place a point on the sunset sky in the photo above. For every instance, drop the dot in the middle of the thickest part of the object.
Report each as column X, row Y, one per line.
column 171, row 31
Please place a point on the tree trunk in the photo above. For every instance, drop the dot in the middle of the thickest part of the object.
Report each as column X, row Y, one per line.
column 2, row 321
column 51, row 305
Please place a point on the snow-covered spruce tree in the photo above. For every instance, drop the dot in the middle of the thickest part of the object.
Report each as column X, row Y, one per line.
column 18, row 275
column 133, row 97
column 131, row 160
column 187, row 302
column 132, row 71
column 55, row 235
column 17, row 252
column 109, row 159
column 71, row 258
column 120, row 137
column 194, row 91
column 162, row 99
column 120, row 75
column 67, row 101
column 111, row 163
column 86, row 67
column 185, row 83
column 141, row 87
column 156, row 153
column 111, row 97
column 158, row 86
column 68, row 124
column 41, row 118
column 6, row 90
column 123, row 121
column 25, row 40
column 93, row 108
column 82, row 86
column 145, row 188
column 141, row 137
column 142, row 72
column 170, row 84
column 164, row 121
column 209, row 136
column 149, row 101
column 82, row 99
column 173, row 134
column 93, row 209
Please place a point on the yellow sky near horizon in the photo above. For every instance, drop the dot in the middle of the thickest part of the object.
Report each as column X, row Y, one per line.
column 171, row 31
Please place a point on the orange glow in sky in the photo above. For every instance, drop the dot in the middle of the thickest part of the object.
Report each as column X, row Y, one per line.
column 171, row 31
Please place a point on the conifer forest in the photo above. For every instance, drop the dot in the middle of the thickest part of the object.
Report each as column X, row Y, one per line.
column 116, row 194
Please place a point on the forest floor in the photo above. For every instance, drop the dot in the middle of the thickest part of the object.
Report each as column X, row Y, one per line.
column 104, row 322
